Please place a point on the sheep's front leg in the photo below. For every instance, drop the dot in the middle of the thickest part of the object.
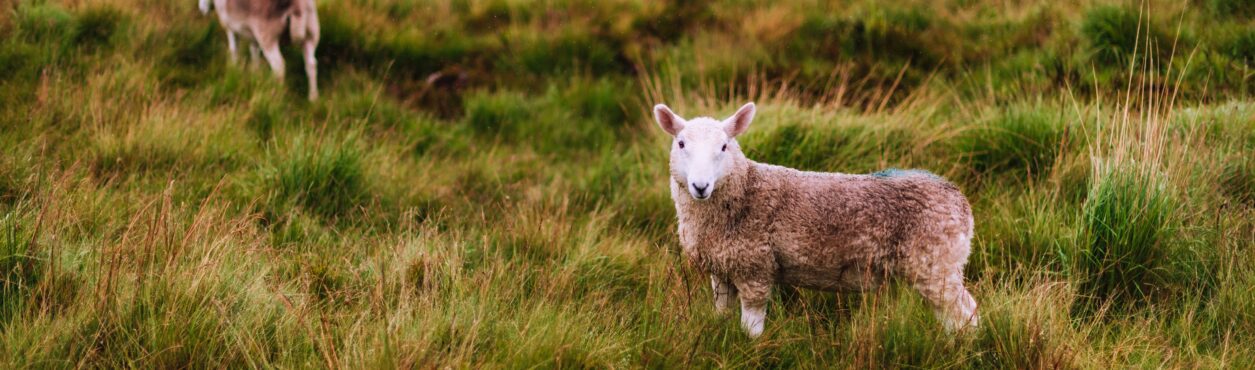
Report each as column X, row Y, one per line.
column 723, row 293
column 753, row 306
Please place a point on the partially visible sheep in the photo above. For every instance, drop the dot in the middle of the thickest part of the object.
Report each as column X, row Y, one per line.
column 261, row 23
column 752, row 225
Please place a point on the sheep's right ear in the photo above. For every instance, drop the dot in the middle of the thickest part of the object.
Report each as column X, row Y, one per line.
column 740, row 120
column 668, row 120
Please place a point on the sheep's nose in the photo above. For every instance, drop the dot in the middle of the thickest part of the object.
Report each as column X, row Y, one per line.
column 701, row 188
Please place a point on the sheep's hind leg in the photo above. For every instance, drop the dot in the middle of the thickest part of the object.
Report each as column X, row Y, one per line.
column 311, row 66
column 951, row 302
column 753, row 306
column 233, row 48
column 723, row 293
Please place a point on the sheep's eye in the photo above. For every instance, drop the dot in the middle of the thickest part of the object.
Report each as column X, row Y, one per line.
column 681, row 144
column 725, row 147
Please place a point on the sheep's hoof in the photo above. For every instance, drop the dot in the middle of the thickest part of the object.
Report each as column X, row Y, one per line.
column 752, row 320
column 754, row 332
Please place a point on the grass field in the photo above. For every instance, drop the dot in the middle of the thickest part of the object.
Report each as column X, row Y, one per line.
column 161, row 209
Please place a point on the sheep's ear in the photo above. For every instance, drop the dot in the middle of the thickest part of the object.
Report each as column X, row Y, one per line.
column 668, row 120
column 740, row 120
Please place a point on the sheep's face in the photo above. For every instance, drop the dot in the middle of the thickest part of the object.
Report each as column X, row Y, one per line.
column 703, row 149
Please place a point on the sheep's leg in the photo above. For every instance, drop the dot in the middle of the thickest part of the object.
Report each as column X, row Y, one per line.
column 274, row 57
column 232, row 48
column 311, row 67
column 723, row 293
column 753, row 306
column 950, row 301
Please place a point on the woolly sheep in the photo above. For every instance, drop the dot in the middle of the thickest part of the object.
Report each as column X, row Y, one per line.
column 752, row 225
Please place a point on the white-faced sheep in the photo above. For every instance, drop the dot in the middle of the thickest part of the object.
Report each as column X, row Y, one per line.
column 752, row 225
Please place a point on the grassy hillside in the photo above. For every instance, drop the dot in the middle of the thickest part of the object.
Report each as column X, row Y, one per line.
column 481, row 184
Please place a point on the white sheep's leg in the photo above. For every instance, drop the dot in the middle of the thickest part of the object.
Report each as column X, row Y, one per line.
column 274, row 57
column 951, row 302
column 311, row 67
column 753, row 306
column 233, row 48
column 723, row 293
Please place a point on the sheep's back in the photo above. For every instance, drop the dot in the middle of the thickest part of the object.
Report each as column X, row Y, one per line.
column 831, row 227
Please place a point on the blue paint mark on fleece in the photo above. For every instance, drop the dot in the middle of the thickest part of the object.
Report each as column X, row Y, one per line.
column 894, row 172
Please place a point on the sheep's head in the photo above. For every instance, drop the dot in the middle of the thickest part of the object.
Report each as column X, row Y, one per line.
column 703, row 149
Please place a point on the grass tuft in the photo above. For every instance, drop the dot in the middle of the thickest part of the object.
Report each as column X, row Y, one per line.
column 97, row 27
column 1240, row 45
column 326, row 178
column 1238, row 9
column 1128, row 225
column 1018, row 139
column 194, row 54
column 43, row 22
column 1117, row 34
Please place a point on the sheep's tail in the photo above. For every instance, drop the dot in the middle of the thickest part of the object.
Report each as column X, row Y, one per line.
column 304, row 21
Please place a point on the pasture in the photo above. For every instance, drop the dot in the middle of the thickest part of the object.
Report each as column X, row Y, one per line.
column 481, row 183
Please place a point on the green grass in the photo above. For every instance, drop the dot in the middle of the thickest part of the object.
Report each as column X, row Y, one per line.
column 1018, row 139
column 1128, row 225
column 21, row 267
column 160, row 208
column 1116, row 35
column 325, row 178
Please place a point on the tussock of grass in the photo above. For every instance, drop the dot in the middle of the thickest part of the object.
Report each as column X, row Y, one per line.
column 43, row 22
column 1018, row 139
column 1128, row 224
column 1116, row 34
column 194, row 54
column 1240, row 45
column 1231, row 8
column 497, row 113
column 96, row 27
column 326, row 178
column 564, row 52
column 544, row 124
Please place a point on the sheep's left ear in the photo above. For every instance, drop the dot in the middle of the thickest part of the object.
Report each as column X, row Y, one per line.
column 740, row 120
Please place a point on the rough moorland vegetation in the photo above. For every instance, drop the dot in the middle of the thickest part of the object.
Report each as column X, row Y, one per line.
column 480, row 183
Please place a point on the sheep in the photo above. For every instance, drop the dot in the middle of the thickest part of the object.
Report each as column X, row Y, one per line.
column 261, row 22
column 751, row 225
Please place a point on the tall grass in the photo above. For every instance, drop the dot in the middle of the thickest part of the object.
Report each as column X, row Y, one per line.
column 160, row 208
column 1128, row 223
